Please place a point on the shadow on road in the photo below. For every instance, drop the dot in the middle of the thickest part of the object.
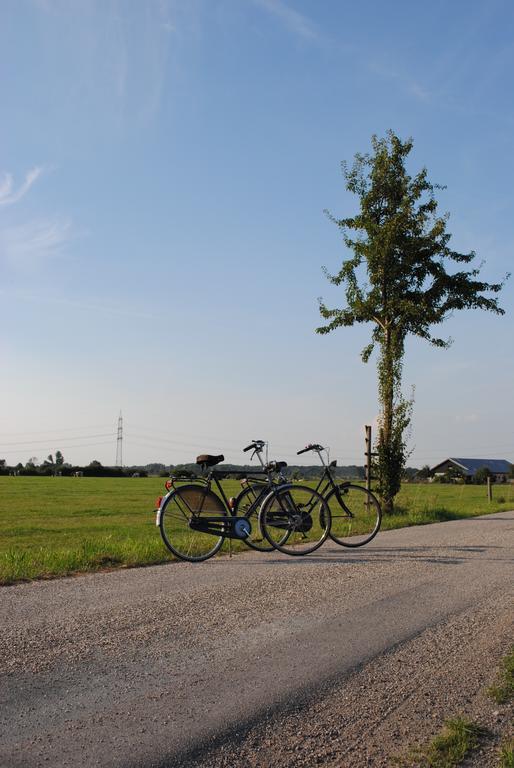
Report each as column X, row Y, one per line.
column 444, row 555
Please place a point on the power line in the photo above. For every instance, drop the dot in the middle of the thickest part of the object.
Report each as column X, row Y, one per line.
column 55, row 440
column 73, row 447
column 146, row 442
column 58, row 429
column 203, row 442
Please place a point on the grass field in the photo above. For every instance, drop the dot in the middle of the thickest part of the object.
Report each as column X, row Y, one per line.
column 57, row 526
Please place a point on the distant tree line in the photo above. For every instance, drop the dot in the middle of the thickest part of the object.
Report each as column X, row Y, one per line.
column 52, row 466
column 58, row 466
column 293, row 472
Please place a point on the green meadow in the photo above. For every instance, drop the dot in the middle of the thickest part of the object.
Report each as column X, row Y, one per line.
column 58, row 526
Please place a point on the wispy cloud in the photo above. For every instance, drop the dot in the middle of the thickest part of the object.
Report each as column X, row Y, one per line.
column 31, row 242
column 407, row 83
column 80, row 305
column 7, row 193
column 117, row 56
column 294, row 21
column 418, row 91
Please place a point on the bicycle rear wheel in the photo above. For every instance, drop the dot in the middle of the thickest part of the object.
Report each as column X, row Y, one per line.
column 248, row 504
column 295, row 519
column 190, row 503
column 356, row 515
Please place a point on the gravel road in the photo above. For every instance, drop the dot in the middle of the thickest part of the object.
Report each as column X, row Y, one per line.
column 338, row 659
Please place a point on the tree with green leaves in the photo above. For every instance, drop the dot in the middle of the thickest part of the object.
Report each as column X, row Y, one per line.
column 453, row 475
column 424, row 473
column 481, row 475
column 399, row 279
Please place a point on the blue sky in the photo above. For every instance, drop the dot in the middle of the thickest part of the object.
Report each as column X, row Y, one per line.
column 164, row 167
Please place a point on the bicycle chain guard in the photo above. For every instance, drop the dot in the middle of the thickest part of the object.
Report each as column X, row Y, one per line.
column 231, row 527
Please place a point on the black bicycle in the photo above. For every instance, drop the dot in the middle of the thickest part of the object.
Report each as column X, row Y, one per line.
column 194, row 520
column 255, row 487
column 355, row 511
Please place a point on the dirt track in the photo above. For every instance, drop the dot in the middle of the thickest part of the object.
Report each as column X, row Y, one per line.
column 340, row 659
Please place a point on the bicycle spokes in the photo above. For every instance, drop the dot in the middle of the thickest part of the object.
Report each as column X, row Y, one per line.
column 295, row 519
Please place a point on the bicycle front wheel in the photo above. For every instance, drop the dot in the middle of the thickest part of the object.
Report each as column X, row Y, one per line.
column 184, row 510
column 356, row 515
column 295, row 519
column 248, row 504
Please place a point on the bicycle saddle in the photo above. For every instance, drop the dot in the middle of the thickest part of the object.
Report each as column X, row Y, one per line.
column 209, row 461
column 275, row 466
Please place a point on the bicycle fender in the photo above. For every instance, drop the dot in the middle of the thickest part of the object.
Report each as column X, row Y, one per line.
column 158, row 511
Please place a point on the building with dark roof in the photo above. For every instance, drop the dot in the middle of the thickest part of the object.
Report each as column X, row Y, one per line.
column 499, row 468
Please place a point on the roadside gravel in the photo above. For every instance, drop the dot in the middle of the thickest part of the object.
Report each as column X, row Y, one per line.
column 397, row 701
column 338, row 659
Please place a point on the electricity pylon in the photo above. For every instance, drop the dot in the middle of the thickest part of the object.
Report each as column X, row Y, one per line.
column 119, row 442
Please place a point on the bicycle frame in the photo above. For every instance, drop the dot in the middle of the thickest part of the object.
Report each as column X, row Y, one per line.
column 331, row 484
column 226, row 525
column 327, row 483
column 216, row 525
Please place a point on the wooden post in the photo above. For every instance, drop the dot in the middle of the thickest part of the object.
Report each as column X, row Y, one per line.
column 489, row 489
column 367, row 454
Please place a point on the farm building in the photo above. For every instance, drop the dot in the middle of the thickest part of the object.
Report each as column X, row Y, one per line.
column 499, row 468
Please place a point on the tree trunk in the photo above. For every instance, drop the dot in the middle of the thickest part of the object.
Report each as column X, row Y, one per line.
column 387, row 382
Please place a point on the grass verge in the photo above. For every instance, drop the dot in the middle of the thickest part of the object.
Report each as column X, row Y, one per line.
column 447, row 750
column 58, row 526
column 462, row 736
column 89, row 555
column 502, row 691
column 506, row 755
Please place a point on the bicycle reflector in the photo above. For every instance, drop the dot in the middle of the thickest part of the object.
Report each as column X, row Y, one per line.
column 158, row 502
column 168, row 484
column 232, row 502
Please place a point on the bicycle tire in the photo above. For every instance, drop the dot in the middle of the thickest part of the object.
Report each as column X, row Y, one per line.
column 178, row 509
column 247, row 505
column 301, row 512
column 356, row 515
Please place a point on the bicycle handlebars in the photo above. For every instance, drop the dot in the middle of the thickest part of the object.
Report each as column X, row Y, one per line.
column 310, row 447
column 257, row 445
